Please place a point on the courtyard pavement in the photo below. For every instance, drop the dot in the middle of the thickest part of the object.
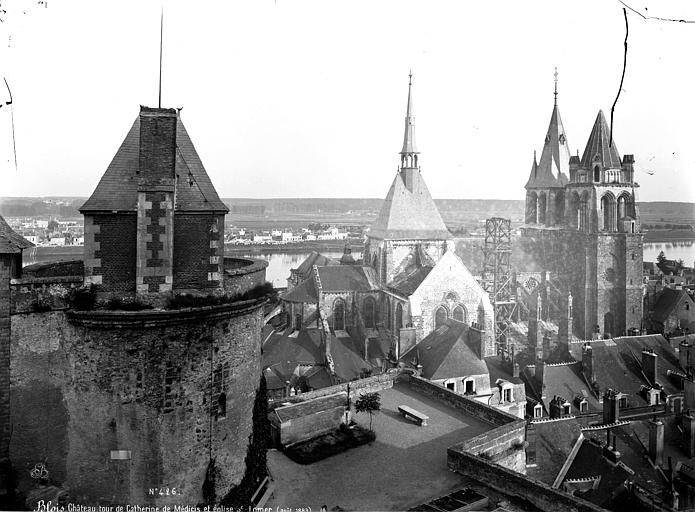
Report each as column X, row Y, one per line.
column 404, row 467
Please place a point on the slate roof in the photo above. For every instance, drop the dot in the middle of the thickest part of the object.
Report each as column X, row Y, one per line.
column 554, row 442
column 285, row 352
column 10, row 241
column 342, row 278
column 445, row 353
column 314, row 258
column 304, row 292
column 598, row 146
column 618, row 364
column 409, row 145
column 669, row 301
column 347, row 354
column 497, row 368
column 589, row 462
column 409, row 214
column 566, row 381
column 117, row 189
column 410, row 280
column 553, row 168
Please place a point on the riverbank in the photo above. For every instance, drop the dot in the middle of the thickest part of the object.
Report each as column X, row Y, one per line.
column 292, row 248
column 668, row 236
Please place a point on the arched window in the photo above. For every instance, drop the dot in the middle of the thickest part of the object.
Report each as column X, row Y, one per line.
column 221, row 406
column 542, row 205
column 609, row 212
column 559, row 207
column 399, row 316
column 459, row 314
column 440, row 316
column 369, row 313
column 584, row 212
column 597, row 173
column 387, row 313
column 573, row 210
column 339, row 315
column 608, row 324
column 531, row 208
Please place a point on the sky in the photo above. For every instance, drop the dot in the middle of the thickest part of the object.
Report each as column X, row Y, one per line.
column 307, row 98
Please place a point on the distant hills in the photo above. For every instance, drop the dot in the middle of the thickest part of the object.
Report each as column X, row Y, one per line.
column 454, row 211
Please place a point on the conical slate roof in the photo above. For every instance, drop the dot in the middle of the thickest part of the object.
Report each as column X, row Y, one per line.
column 117, row 189
column 10, row 241
column 598, row 148
column 553, row 168
column 409, row 214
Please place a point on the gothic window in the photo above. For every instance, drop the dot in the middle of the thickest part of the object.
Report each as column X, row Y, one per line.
column 399, row 316
column 387, row 307
column 559, row 207
column 440, row 316
column 531, row 208
column 369, row 313
column 608, row 208
column 339, row 315
column 459, row 314
column 597, row 173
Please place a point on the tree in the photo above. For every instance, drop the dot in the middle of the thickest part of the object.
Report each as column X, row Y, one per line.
column 368, row 402
column 661, row 260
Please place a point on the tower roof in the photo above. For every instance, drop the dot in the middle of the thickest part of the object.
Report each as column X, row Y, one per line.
column 553, row 168
column 10, row 241
column 409, row 146
column 117, row 189
column 598, row 148
column 409, row 213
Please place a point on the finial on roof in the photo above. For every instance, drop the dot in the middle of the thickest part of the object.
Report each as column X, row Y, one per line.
column 410, row 76
column 555, row 86
column 161, row 37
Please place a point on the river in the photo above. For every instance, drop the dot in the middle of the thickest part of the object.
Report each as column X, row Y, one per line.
column 279, row 264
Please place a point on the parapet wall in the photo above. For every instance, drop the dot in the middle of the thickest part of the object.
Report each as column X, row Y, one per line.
column 367, row 385
column 515, row 484
column 243, row 274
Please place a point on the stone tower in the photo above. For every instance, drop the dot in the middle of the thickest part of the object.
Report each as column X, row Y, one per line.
column 585, row 231
column 409, row 226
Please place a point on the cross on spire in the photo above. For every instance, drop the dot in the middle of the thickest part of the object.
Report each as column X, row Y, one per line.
column 555, row 86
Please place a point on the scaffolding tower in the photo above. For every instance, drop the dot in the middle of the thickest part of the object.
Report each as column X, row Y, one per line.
column 497, row 277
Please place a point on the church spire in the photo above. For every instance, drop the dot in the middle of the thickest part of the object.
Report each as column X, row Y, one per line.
column 409, row 153
column 555, row 93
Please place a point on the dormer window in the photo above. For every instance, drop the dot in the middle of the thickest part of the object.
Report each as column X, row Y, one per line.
column 566, row 408
column 507, row 395
column 562, row 138
column 538, row 411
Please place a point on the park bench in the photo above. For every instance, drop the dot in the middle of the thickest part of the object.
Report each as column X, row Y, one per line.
column 409, row 412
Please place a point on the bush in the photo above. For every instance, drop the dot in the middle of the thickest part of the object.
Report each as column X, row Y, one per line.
column 126, row 304
column 41, row 305
column 84, row 298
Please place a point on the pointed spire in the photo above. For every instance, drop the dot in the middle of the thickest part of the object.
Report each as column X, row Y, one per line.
column 598, row 148
column 553, row 168
column 409, row 152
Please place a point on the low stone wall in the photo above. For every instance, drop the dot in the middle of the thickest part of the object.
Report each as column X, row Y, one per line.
column 35, row 294
column 243, row 274
column 310, row 419
column 368, row 385
column 54, row 269
column 512, row 483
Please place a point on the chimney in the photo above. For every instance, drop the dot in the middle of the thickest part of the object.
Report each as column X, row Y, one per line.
column 515, row 370
column 685, row 356
column 540, row 371
column 689, row 433
column 588, row 363
column 610, row 451
column 157, row 146
column 656, row 441
column 611, row 410
column 546, row 345
column 649, row 359
column 155, row 207
column 556, row 407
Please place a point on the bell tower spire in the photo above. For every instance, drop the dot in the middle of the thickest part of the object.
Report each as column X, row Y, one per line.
column 409, row 153
column 555, row 93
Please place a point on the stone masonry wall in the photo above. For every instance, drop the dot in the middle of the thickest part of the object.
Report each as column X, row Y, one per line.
column 172, row 397
column 42, row 293
column 241, row 278
column 5, row 265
